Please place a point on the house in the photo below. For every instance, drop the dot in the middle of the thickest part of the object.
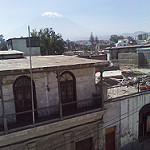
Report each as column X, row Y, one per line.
column 126, row 118
column 143, row 36
column 66, row 110
column 115, row 51
column 22, row 44
column 122, row 42
column 58, row 107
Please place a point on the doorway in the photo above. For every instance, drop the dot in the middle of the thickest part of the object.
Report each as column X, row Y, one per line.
column 84, row 144
column 23, row 99
column 68, row 92
column 110, row 138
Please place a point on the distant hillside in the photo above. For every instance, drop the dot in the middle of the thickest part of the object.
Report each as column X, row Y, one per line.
column 133, row 34
column 66, row 27
column 107, row 37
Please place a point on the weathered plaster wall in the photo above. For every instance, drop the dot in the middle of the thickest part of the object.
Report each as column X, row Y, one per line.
column 130, row 111
column 124, row 114
column 110, row 119
column 128, row 60
column 21, row 46
column 85, row 82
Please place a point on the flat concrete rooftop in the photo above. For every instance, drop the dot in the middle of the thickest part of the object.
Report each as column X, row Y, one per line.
column 47, row 63
column 125, row 47
column 10, row 52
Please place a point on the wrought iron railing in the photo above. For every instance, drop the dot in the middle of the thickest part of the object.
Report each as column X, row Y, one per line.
column 44, row 115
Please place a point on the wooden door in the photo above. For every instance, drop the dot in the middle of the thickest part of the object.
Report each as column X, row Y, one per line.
column 23, row 99
column 68, row 92
column 110, row 138
column 86, row 144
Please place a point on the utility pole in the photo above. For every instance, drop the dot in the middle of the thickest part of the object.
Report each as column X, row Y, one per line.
column 32, row 96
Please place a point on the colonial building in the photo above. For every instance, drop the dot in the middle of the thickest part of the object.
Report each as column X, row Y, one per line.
column 59, row 106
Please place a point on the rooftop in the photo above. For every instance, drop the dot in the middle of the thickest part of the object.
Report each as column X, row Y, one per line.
column 10, row 52
column 131, row 46
column 23, row 38
column 47, row 63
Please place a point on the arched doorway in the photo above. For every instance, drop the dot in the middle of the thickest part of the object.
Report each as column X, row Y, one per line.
column 144, row 122
column 23, row 99
column 68, row 92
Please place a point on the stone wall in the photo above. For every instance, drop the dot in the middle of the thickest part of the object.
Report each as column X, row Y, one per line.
column 128, row 60
column 115, row 52
column 46, row 87
column 145, row 60
column 134, row 60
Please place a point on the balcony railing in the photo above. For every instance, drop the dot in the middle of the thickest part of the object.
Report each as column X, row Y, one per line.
column 44, row 115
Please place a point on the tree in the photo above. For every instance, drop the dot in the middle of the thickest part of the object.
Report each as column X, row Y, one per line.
column 50, row 42
column 96, row 39
column 92, row 38
column 115, row 38
column 3, row 44
column 86, row 48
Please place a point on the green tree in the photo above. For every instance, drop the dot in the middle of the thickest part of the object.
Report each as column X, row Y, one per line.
column 86, row 48
column 96, row 39
column 115, row 38
column 92, row 38
column 3, row 44
column 50, row 42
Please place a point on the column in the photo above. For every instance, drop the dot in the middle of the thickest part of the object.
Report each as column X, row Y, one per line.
column 59, row 94
column 101, row 88
column 3, row 108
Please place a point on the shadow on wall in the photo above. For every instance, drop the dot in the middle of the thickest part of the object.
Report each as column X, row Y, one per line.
column 143, row 145
column 143, row 60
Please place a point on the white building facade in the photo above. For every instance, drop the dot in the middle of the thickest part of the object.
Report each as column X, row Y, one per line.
column 123, row 42
column 22, row 44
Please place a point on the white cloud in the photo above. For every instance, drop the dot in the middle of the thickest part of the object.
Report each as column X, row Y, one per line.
column 51, row 14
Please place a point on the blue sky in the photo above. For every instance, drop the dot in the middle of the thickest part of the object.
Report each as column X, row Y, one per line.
column 107, row 16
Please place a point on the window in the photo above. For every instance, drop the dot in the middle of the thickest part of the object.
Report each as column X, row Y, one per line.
column 34, row 41
column 23, row 99
column 68, row 91
column 144, row 122
column 86, row 144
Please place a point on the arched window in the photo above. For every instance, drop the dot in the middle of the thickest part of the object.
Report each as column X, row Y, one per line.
column 144, row 122
column 23, row 98
column 68, row 91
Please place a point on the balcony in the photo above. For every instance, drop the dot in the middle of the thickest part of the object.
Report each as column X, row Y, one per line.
column 10, row 123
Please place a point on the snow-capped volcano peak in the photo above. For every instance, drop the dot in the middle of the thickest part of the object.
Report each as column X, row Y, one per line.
column 51, row 14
